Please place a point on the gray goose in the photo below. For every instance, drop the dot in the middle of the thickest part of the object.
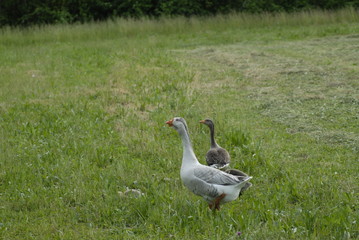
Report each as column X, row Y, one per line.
column 218, row 157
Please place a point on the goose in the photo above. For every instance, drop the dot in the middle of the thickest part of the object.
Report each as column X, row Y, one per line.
column 216, row 157
column 219, row 157
column 214, row 185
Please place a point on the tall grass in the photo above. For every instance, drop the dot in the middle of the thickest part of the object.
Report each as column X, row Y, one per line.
column 139, row 27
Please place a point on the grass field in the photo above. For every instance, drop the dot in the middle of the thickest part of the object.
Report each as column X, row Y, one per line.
column 83, row 111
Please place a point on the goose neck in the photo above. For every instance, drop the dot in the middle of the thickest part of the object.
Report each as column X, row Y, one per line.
column 188, row 153
column 213, row 142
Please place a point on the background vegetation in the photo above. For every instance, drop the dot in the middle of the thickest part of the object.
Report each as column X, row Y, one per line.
column 83, row 111
column 24, row 13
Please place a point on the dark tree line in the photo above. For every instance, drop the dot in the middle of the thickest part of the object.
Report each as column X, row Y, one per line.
column 30, row 12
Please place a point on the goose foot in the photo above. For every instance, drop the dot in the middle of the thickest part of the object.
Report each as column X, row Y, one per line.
column 216, row 202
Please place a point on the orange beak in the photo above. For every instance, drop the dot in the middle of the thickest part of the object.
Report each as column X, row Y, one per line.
column 170, row 123
column 202, row 121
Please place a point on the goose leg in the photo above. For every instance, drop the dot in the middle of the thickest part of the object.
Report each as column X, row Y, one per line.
column 218, row 200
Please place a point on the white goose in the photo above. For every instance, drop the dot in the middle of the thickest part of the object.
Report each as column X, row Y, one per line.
column 215, row 186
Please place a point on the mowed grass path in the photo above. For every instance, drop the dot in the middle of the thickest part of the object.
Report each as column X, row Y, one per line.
column 83, row 109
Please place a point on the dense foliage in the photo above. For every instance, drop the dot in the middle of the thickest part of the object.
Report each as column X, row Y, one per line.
column 20, row 12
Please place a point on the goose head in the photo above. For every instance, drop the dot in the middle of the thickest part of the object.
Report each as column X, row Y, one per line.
column 178, row 123
column 207, row 122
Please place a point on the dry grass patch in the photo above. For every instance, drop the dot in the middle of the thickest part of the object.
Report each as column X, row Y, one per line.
column 309, row 85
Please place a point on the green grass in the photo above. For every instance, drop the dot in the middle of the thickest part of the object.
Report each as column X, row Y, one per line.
column 83, row 111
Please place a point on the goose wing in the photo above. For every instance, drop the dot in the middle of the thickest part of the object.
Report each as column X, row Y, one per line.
column 236, row 172
column 215, row 176
column 202, row 188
